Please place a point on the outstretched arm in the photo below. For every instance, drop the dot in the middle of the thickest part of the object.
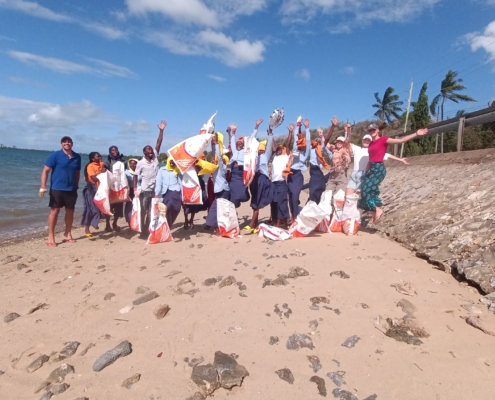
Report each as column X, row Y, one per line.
column 335, row 121
column 348, row 133
column 308, row 138
column 258, row 123
column 289, row 136
column 274, row 148
column 391, row 157
column 419, row 132
column 159, row 141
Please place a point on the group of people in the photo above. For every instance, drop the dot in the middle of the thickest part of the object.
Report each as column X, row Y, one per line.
column 278, row 187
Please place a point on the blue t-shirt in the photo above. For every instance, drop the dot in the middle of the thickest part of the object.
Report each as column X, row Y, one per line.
column 63, row 170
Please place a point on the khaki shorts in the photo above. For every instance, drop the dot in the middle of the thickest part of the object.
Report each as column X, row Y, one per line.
column 336, row 181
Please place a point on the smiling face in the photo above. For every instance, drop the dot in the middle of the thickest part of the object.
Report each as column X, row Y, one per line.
column 374, row 133
column 366, row 143
column 97, row 158
column 67, row 144
column 339, row 144
column 132, row 164
column 115, row 151
column 239, row 145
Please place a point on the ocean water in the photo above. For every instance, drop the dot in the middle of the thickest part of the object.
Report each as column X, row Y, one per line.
column 22, row 212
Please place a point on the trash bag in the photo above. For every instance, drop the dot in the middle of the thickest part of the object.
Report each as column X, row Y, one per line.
column 228, row 224
column 326, row 206
column 187, row 152
column 135, row 221
column 307, row 220
column 250, row 156
column 118, row 184
column 101, row 198
column 277, row 118
column 191, row 191
column 338, row 208
column 351, row 216
column 159, row 229
column 273, row 233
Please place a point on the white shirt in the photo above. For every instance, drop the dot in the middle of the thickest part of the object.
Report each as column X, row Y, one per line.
column 147, row 170
column 361, row 157
column 279, row 163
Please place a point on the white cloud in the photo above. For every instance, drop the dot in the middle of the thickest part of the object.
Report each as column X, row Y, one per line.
column 35, row 10
column 27, row 81
column 304, row 74
column 216, row 78
column 132, row 128
column 484, row 40
column 101, row 68
column 106, row 31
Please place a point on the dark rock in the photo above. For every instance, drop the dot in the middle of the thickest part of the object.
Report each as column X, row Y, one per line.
column 131, row 381
column 403, row 334
column 58, row 374
column 297, row 341
column 109, row 296
column 274, row 340
column 195, row 361
column 206, row 377
column 68, row 350
column 145, row 298
column 22, row 266
column 101, row 267
column 351, row 341
column 337, row 378
column 315, row 363
column 340, row 274
column 142, row 289
column 47, row 396
column 266, row 282
column 337, row 311
column 343, row 394
column 200, row 246
column 41, row 306
column 58, row 389
column 229, row 371
column 286, row 375
column 297, row 271
column 227, row 281
column 277, row 311
column 197, row 395
column 372, row 397
column 37, row 364
column 161, row 311
column 10, row 317
column 280, row 281
column 320, row 383
column 210, row 282
column 318, row 300
column 242, row 288
column 121, row 350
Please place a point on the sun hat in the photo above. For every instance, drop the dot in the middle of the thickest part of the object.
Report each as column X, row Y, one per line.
column 341, row 138
column 367, row 137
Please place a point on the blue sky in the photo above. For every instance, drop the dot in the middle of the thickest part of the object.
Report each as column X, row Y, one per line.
column 106, row 72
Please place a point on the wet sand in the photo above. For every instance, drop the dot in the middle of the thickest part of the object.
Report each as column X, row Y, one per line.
column 457, row 361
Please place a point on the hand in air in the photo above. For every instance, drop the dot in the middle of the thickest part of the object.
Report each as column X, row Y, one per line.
column 162, row 125
column 290, row 127
column 306, row 123
column 335, row 120
column 347, row 128
column 258, row 123
column 422, row 132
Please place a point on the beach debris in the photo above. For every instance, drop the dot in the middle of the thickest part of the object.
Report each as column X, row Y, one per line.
column 315, row 363
column 10, row 259
column 318, row 300
column 238, row 262
column 192, row 292
column 89, row 346
column 475, row 321
column 195, row 361
column 37, row 364
column 297, row 253
column 274, row 340
column 10, row 317
column 145, row 298
column 320, row 384
column 41, row 306
column 161, row 311
column 196, row 396
column 411, row 323
column 472, row 309
column 227, row 281
column 337, row 377
column 121, row 350
column 341, row 274
column 87, row 286
column 210, row 282
column 67, row 351
column 372, row 397
column 343, row 394
column 276, row 119
column 351, row 341
column 298, row 341
column 277, row 311
column 22, row 266
column 172, row 273
column 142, row 289
column 280, row 281
column 405, row 288
column 297, row 271
column 109, row 296
column 185, row 281
column 407, row 306
column 126, row 309
column 266, row 282
column 131, row 381
column 403, row 334
column 286, row 375
column 58, row 374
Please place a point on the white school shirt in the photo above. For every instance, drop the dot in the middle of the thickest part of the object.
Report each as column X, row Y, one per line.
column 361, row 157
column 279, row 163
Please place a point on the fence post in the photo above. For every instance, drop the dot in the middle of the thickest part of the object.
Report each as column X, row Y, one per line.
column 396, row 149
column 460, row 133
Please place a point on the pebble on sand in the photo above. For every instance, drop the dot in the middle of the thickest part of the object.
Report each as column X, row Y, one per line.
column 10, row 317
column 131, row 381
column 161, row 311
column 109, row 296
column 227, row 281
column 350, row 342
column 121, row 350
column 298, row 341
column 144, row 299
column 320, row 383
column 37, row 364
column 343, row 394
column 286, row 375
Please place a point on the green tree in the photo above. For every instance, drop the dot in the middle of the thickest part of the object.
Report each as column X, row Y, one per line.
column 389, row 106
column 450, row 85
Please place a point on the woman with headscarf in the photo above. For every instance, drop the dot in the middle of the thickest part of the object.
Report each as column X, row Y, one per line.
column 117, row 209
column 202, row 167
column 280, row 204
column 169, row 187
column 91, row 214
column 129, row 173
column 370, row 182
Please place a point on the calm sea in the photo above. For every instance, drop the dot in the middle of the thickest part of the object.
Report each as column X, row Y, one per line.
column 22, row 212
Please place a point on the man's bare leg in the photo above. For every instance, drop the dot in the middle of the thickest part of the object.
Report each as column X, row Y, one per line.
column 52, row 222
column 69, row 218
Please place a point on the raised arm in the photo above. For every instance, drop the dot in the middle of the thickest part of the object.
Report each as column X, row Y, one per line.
column 419, row 132
column 289, row 136
column 159, row 141
column 274, row 148
column 258, row 123
column 269, row 147
column 348, row 132
column 335, row 121
column 308, row 137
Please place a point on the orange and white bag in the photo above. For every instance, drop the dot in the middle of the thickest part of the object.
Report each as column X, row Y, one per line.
column 135, row 221
column 191, row 191
column 326, row 206
column 118, row 185
column 307, row 220
column 187, row 152
column 273, row 233
column 159, row 229
column 338, row 209
column 228, row 224
column 101, row 198
column 351, row 216
column 250, row 155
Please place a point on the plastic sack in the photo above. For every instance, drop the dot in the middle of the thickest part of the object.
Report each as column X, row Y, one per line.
column 135, row 221
column 228, row 224
column 159, row 229
column 338, row 208
column 209, row 127
column 273, row 233
column 307, row 220
column 326, row 206
column 250, row 156
column 101, row 198
column 186, row 153
column 276, row 119
column 118, row 185
column 191, row 191
column 351, row 216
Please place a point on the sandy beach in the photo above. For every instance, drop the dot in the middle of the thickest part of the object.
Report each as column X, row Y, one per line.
column 71, row 282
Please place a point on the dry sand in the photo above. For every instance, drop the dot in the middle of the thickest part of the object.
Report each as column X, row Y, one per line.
column 456, row 362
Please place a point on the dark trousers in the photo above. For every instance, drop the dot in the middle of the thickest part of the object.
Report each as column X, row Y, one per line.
column 145, row 199
column 316, row 184
column 295, row 183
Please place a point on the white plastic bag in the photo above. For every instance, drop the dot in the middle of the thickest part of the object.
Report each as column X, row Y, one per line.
column 101, row 198
column 338, row 208
column 351, row 216
column 250, row 155
column 273, row 233
column 187, row 152
column 307, row 220
column 159, row 229
column 135, row 221
column 228, row 224
column 118, row 185
column 191, row 191
column 326, row 206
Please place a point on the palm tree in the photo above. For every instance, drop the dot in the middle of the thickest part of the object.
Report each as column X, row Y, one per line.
column 449, row 86
column 388, row 106
column 460, row 113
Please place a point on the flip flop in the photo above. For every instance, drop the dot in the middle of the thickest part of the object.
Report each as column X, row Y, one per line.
column 255, row 231
column 69, row 241
column 51, row 244
column 247, row 230
column 88, row 234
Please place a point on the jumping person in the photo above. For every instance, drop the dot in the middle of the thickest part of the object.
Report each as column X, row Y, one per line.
column 280, row 205
column 91, row 214
column 300, row 153
column 190, row 210
column 117, row 209
column 65, row 166
column 341, row 159
column 169, row 187
column 316, row 163
column 147, row 169
column 129, row 173
column 370, row 182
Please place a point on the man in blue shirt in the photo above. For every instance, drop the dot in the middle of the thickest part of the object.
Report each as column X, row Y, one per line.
column 65, row 166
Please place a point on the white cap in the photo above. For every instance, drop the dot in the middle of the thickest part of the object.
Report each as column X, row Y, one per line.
column 367, row 137
column 341, row 138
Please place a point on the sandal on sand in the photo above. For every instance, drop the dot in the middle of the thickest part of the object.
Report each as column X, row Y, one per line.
column 255, row 231
column 88, row 234
column 69, row 241
column 247, row 230
column 51, row 244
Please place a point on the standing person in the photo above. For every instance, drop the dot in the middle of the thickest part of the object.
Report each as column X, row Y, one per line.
column 91, row 214
column 191, row 209
column 65, row 166
column 370, row 182
column 262, row 189
column 341, row 159
column 238, row 191
column 169, row 187
column 117, row 209
column 147, row 169
column 316, row 163
column 300, row 153
column 280, row 205
column 129, row 173
column 361, row 158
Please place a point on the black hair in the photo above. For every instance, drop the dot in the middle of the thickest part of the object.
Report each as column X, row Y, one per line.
column 65, row 138
column 144, row 148
column 91, row 156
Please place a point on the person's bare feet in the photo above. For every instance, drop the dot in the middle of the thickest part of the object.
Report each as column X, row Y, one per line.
column 378, row 215
column 116, row 228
